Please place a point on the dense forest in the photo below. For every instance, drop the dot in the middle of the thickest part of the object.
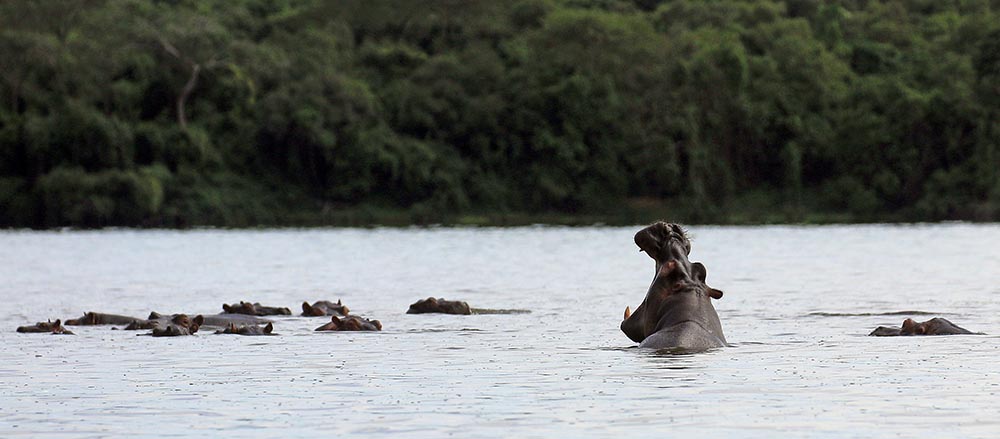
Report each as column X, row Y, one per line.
column 177, row 113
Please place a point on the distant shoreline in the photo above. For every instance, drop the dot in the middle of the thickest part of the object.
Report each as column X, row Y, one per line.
column 365, row 217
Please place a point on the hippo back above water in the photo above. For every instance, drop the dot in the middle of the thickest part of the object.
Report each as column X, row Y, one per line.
column 96, row 318
column 439, row 306
column 247, row 329
column 255, row 309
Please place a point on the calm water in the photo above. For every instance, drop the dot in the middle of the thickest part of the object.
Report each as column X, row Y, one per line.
column 794, row 308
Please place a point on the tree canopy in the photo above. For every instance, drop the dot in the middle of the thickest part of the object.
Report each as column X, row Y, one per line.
column 287, row 112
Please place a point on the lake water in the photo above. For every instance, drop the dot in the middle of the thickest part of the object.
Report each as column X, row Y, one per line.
column 799, row 302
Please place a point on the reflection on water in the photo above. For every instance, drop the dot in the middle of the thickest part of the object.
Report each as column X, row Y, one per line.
column 799, row 302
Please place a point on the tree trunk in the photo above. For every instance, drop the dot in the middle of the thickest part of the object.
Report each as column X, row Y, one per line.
column 182, row 98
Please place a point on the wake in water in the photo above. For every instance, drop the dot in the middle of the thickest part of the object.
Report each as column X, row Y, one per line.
column 872, row 314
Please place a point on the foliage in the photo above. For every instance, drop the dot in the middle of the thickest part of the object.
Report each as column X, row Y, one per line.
column 248, row 112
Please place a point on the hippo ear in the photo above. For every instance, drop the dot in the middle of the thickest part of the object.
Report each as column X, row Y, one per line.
column 269, row 328
column 199, row 319
column 911, row 327
column 699, row 271
column 306, row 308
column 153, row 316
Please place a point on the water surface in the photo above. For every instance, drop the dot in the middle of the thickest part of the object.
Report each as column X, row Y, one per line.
column 798, row 304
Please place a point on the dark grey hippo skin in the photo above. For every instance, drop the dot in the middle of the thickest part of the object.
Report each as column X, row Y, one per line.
column 324, row 308
column 351, row 323
column 97, row 318
column 48, row 327
column 157, row 320
column 935, row 326
column 439, row 306
column 255, row 309
column 178, row 325
column 248, row 329
column 677, row 312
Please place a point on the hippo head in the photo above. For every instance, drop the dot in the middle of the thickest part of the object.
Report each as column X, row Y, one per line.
column 663, row 241
column 351, row 323
column 242, row 308
column 935, row 326
column 192, row 324
column 677, row 286
column 911, row 327
column 49, row 326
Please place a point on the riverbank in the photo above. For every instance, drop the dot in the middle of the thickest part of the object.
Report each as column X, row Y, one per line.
column 245, row 211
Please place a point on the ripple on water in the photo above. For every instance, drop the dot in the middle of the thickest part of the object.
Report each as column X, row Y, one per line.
column 799, row 365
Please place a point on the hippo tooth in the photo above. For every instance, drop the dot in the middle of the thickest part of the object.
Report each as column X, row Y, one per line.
column 628, row 312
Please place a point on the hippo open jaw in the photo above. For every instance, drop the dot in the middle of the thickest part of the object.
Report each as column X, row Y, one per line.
column 660, row 239
column 677, row 311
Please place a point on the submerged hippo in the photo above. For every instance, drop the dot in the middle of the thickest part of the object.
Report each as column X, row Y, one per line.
column 324, row 308
column 180, row 324
column 157, row 320
column 351, row 323
column 441, row 306
column 677, row 311
column 255, row 309
column 50, row 327
column 247, row 329
column 935, row 326
column 96, row 318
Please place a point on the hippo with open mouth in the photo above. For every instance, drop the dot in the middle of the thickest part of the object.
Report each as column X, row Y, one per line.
column 351, row 323
column 677, row 312
column 50, row 327
column 935, row 326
